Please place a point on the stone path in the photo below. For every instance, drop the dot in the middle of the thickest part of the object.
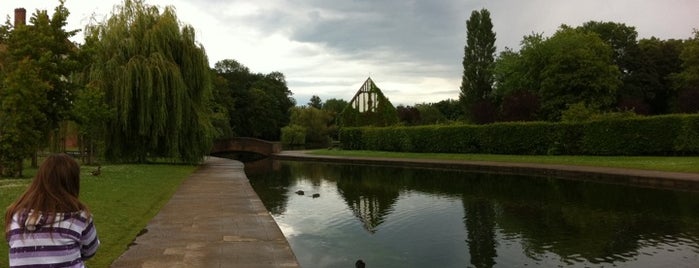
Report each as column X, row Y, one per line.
column 215, row 219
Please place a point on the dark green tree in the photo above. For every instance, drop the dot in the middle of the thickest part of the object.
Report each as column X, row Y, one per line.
column 478, row 62
column 91, row 111
column 450, row 108
column 687, row 81
column 653, row 79
column 46, row 43
column 316, row 123
column 315, row 102
column 579, row 68
column 156, row 77
column 408, row 115
column 242, row 88
column 222, row 106
column 22, row 95
column 334, row 107
column 621, row 38
column 429, row 114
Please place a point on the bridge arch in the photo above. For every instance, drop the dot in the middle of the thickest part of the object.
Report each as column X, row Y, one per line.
column 243, row 144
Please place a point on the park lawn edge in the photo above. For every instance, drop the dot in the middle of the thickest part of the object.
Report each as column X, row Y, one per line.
column 688, row 164
column 123, row 199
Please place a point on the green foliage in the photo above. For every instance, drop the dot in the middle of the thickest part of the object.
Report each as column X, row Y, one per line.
column 578, row 112
column 293, row 135
column 315, row 122
column 45, row 42
column 334, row 108
column 352, row 138
column 479, row 52
column 430, row 114
column 315, row 102
column 579, row 67
column 44, row 53
column 688, row 139
column 636, row 136
column 652, row 81
column 257, row 104
column 22, row 95
column 91, row 111
column 156, row 77
column 620, row 37
column 661, row 135
column 689, row 77
column 687, row 81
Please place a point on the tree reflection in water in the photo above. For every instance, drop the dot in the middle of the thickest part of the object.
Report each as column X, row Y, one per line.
column 553, row 222
column 370, row 202
column 480, row 226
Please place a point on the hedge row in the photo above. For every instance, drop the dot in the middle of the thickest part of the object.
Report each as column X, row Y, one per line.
column 658, row 135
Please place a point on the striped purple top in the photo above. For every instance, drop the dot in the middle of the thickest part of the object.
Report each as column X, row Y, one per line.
column 64, row 240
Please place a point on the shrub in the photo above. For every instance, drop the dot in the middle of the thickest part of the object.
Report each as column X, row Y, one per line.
column 293, row 135
column 620, row 135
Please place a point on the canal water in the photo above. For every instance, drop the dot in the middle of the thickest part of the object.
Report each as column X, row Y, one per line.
column 407, row 217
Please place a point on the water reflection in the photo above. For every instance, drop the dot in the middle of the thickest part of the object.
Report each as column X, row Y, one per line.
column 409, row 218
column 370, row 202
column 480, row 226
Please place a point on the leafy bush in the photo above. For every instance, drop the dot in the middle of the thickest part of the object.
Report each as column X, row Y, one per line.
column 293, row 135
column 620, row 135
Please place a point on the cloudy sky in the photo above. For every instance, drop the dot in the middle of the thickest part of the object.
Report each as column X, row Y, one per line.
column 412, row 49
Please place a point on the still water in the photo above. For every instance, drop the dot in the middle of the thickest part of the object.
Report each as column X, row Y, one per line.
column 405, row 217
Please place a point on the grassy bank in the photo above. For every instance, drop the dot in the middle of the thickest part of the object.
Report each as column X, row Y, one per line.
column 123, row 199
column 661, row 163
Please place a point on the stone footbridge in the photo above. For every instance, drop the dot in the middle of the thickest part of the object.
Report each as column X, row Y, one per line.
column 243, row 144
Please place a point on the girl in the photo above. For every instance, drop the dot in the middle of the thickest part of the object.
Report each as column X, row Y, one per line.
column 48, row 226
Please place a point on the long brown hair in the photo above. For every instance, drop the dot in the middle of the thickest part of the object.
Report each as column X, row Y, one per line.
column 55, row 189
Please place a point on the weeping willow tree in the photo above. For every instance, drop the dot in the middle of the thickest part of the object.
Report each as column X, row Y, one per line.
column 156, row 78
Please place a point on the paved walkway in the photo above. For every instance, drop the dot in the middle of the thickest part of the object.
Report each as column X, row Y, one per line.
column 215, row 219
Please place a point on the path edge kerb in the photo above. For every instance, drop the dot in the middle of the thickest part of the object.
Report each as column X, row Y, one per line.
column 634, row 177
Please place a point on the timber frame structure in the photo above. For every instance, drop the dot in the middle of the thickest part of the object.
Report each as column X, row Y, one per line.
column 367, row 97
column 369, row 107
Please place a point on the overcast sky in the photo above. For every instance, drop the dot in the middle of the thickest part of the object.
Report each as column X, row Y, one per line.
column 412, row 49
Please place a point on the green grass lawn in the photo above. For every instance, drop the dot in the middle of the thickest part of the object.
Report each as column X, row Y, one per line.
column 123, row 199
column 661, row 163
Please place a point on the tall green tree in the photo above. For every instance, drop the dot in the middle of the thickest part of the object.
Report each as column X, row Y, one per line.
column 579, row 68
column 315, row 122
column 156, row 77
column 621, row 38
column 45, row 42
column 22, row 95
column 687, row 81
column 315, row 102
column 429, row 114
column 479, row 60
column 652, row 81
column 334, row 108
column 256, row 98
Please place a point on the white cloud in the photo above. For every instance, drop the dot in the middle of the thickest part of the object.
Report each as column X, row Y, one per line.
column 411, row 49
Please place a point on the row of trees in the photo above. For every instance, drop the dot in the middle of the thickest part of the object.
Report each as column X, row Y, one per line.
column 600, row 66
column 139, row 88
column 596, row 69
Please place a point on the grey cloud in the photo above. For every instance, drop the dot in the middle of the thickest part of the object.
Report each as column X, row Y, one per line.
column 412, row 30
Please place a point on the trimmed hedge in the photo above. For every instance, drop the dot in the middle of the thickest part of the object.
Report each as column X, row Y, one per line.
column 657, row 135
